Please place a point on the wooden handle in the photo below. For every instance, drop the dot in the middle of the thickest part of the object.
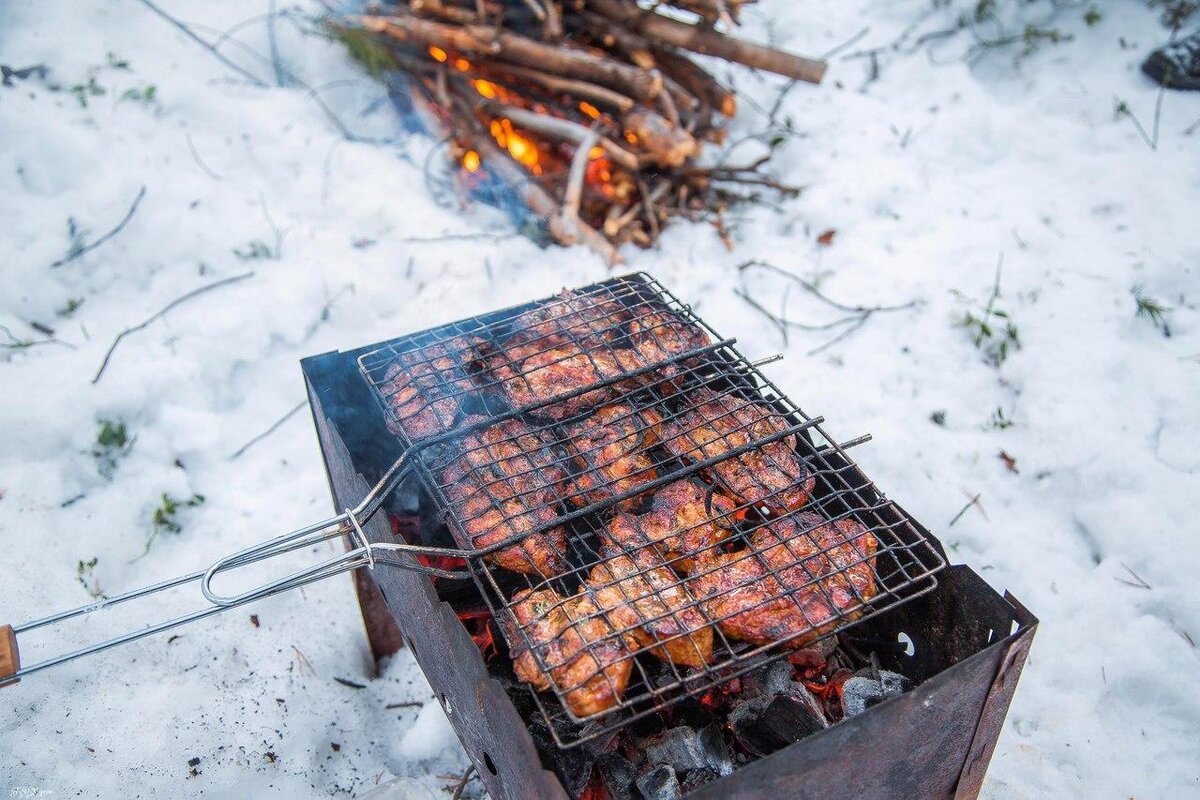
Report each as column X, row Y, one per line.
column 10, row 657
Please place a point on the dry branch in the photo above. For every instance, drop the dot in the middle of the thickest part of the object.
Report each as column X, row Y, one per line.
column 562, row 129
column 481, row 41
column 708, row 42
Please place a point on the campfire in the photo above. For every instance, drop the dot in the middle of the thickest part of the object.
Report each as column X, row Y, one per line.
column 593, row 112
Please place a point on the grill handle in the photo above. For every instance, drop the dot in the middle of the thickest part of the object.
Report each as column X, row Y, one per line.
column 348, row 523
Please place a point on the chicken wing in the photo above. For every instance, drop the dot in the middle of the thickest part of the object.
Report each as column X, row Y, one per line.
column 424, row 389
column 800, row 578
column 585, row 661
column 649, row 605
column 685, row 521
column 503, row 481
column 585, row 318
column 712, row 424
column 610, row 449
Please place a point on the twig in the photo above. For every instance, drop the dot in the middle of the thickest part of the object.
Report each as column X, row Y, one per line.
column 1137, row 582
column 15, row 343
column 462, row 783
column 199, row 161
column 177, row 301
column 852, row 40
column 188, row 32
column 407, row 704
column 279, row 70
column 974, row 501
column 574, row 192
column 350, row 683
column 274, row 427
column 77, row 252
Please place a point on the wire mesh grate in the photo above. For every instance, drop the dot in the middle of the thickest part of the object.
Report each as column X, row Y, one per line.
column 649, row 515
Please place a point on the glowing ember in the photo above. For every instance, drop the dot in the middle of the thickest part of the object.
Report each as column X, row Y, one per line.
column 485, row 88
column 471, row 161
column 589, row 109
column 520, row 147
column 478, row 626
column 438, row 54
column 461, row 64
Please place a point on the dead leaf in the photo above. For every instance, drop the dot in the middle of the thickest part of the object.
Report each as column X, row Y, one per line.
column 826, row 238
column 1009, row 462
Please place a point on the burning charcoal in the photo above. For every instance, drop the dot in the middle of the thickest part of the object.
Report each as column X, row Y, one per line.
column 769, row 723
column 659, row 783
column 685, row 748
column 865, row 690
column 618, row 776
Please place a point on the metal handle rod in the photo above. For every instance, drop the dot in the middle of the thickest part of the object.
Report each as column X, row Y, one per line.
column 349, row 522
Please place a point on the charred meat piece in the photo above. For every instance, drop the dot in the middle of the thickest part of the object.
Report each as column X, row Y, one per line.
column 505, row 480
column 685, row 521
column 550, row 374
column 661, row 334
column 650, row 607
column 772, row 474
column 584, row 318
column 610, row 450
column 585, row 661
column 424, row 389
column 800, row 578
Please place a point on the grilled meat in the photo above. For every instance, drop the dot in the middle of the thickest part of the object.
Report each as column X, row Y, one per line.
column 586, row 318
column 505, row 480
column 610, row 449
column 424, row 389
column 586, row 662
column 539, row 363
column 661, row 334
column 800, row 577
column 713, row 424
column 647, row 603
column 685, row 521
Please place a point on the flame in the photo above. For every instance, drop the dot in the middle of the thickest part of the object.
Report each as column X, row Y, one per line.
column 485, row 88
column 589, row 109
column 477, row 625
column 438, row 53
column 519, row 146
column 471, row 161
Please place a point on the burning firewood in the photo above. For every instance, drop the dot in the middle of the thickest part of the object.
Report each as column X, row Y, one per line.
column 590, row 111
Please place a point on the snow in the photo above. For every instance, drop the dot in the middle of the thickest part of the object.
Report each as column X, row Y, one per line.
column 931, row 174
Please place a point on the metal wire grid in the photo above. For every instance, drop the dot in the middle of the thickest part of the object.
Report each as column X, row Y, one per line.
column 508, row 473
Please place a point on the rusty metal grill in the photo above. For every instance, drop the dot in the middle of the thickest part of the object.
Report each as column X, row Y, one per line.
column 649, row 515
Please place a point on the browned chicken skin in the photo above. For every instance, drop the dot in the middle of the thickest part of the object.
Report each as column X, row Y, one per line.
column 586, row 662
column 424, row 389
column 651, row 608
column 685, row 520
column 505, row 480
column 791, row 584
column 713, row 424
column 610, row 451
column 587, row 318
column 540, row 362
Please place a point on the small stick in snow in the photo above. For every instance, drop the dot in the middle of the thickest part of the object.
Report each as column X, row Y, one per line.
column 462, row 783
column 274, row 427
column 1137, row 582
column 87, row 248
column 199, row 161
column 177, row 301
column 188, row 32
column 974, row 501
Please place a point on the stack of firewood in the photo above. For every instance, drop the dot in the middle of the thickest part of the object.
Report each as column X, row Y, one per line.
column 591, row 110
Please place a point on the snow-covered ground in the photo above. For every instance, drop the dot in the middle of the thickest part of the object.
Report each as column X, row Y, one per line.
column 932, row 166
